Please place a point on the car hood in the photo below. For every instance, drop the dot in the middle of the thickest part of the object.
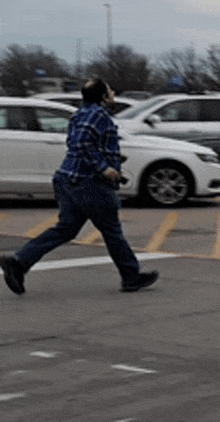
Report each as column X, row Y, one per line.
column 161, row 143
column 132, row 125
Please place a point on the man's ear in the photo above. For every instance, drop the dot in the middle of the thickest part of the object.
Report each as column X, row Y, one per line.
column 105, row 97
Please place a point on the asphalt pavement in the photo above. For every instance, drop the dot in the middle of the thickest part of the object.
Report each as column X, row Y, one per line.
column 75, row 349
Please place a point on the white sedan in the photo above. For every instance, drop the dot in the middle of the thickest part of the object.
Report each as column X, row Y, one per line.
column 33, row 143
column 75, row 99
column 167, row 172
column 176, row 116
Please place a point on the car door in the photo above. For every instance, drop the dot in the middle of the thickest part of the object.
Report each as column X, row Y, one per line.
column 186, row 119
column 19, row 151
column 54, row 125
column 32, row 144
column 178, row 119
column 210, row 117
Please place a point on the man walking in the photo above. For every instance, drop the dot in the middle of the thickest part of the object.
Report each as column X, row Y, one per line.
column 85, row 187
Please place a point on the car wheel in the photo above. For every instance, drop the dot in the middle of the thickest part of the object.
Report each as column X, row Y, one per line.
column 166, row 184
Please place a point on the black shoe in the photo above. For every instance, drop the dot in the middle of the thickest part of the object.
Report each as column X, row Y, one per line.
column 144, row 280
column 13, row 274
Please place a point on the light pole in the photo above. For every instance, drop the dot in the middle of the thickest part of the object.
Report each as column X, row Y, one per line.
column 109, row 23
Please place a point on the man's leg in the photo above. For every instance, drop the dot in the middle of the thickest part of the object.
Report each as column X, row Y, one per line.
column 104, row 215
column 71, row 219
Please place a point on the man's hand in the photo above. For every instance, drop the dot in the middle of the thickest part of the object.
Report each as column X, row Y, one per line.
column 123, row 158
column 112, row 174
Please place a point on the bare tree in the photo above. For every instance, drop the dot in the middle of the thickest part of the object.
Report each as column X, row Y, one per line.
column 210, row 66
column 121, row 67
column 18, row 66
column 183, row 64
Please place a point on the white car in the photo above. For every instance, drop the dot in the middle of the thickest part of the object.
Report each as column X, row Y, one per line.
column 33, row 143
column 141, row 106
column 167, row 172
column 71, row 98
column 178, row 116
column 137, row 95
column 75, row 98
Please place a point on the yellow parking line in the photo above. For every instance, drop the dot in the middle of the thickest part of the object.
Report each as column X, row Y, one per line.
column 216, row 250
column 92, row 237
column 159, row 237
column 3, row 216
column 35, row 231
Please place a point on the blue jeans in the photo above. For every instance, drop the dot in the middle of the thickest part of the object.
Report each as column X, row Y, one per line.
column 78, row 203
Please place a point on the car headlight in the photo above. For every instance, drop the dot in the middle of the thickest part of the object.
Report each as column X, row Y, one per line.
column 209, row 158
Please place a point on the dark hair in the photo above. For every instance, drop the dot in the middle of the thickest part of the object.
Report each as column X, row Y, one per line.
column 94, row 90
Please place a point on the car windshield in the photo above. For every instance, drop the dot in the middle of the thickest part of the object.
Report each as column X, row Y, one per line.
column 130, row 114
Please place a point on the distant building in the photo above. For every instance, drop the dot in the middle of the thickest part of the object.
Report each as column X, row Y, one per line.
column 46, row 84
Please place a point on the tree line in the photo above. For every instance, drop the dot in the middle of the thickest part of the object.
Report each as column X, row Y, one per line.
column 123, row 68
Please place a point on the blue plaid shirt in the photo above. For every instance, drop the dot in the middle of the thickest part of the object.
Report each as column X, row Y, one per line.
column 92, row 143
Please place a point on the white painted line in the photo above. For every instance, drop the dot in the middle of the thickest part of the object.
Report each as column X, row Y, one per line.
column 94, row 260
column 134, row 369
column 44, row 354
column 126, row 420
column 6, row 397
column 19, row 372
column 147, row 256
column 68, row 263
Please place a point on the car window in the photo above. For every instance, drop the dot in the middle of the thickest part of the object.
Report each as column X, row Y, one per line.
column 55, row 121
column 210, row 111
column 134, row 112
column 22, row 118
column 3, row 118
column 117, row 107
column 180, row 111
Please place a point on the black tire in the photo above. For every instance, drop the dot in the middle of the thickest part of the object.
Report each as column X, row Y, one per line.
column 165, row 185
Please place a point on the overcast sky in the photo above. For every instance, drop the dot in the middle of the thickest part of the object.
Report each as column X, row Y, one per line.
column 149, row 26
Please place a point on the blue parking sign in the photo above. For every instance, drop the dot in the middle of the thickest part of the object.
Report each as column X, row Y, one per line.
column 40, row 72
column 177, row 80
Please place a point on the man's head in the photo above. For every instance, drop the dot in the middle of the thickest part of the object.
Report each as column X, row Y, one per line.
column 95, row 91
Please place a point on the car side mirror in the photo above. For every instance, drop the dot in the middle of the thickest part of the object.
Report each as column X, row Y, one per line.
column 152, row 120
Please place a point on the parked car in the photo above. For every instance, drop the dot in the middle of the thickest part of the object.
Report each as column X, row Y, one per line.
column 71, row 98
column 75, row 99
column 168, row 172
column 208, row 141
column 33, row 144
column 141, row 107
column 137, row 95
column 178, row 116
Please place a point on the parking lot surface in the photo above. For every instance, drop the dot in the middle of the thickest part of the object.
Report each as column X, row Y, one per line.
column 74, row 348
